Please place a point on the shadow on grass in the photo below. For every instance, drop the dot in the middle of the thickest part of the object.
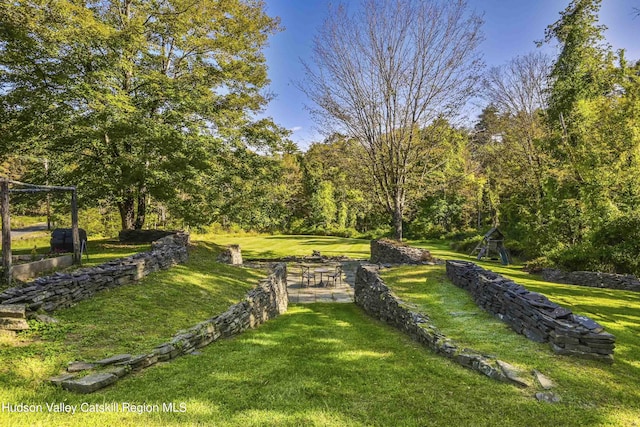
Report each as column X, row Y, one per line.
column 320, row 364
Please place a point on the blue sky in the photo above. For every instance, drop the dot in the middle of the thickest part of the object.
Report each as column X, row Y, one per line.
column 511, row 28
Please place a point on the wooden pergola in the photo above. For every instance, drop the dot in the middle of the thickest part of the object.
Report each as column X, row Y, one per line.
column 5, row 190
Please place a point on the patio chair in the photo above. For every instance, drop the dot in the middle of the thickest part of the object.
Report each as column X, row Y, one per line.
column 336, row 276
column 307, row 275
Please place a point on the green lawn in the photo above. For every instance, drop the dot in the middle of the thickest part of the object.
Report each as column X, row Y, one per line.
column 319, row 364
column 265, row 246
column 128, row 319
column 607, row 389
column 99, row 250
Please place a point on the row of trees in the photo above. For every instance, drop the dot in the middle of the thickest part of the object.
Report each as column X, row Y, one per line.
column 152, row 105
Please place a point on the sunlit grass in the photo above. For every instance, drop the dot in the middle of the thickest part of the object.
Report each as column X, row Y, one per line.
column 267, row 246
column 320, row 364
column 580, row 382
column 304, row 369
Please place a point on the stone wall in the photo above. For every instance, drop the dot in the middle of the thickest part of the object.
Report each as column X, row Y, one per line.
column 532, row 314
column 625, row 282
column 373, row 295
column 64, row 289
column 266, row 301
column 388, row 252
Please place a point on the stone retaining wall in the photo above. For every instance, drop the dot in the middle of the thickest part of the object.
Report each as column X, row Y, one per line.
column 373, row 295
column 532, row 314
column 388, row 252
column 64, row 289
column 593, row 279
column 266, row 301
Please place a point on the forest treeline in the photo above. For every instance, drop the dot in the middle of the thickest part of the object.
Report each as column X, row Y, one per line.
column 553, row 159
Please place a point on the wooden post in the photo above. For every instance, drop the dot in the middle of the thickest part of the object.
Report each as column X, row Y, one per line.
column 6, row 230
column 74, row 228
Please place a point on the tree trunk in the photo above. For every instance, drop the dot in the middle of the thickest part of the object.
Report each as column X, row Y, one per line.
column 127, row 214
column 397, row 223
column 142, row 208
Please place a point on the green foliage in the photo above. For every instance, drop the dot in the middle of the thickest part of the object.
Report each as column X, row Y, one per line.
column 467, row 245
column 323, row 205
column 136, row 99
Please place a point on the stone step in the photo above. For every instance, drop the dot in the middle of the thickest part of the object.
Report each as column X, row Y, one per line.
column 18, row 311
column 13, row 324
column 90, row 383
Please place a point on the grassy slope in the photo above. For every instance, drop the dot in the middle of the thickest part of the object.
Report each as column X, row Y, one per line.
column 328, row 365
column 129, row 319
column 333, row 365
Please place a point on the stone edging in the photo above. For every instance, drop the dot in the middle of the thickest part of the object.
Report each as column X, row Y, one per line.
column 592, row 279
column 375, row 297
column 266, row 301
column 532, row 314
column 64, row 289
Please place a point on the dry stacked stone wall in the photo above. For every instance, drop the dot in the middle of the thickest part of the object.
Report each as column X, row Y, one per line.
column 373, row 295
column 266, row 301
column 625, row 282
column 61, row 290
column 532, row 314
column 389, row 252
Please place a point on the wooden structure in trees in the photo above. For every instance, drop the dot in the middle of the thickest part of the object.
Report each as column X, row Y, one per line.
column 492, row 243
column 5, row 190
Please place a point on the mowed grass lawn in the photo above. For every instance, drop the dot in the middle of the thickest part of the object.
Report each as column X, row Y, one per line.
column 320, row 364
column 278, row 246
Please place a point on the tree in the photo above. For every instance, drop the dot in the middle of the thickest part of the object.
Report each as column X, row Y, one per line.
column 136, row 98
column 583, row 82
column 515, row 163
column 382, row 74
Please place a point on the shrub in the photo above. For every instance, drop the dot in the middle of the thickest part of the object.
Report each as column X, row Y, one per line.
column 467, row 245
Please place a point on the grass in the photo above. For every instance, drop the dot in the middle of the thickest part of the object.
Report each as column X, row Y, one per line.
column 278, row 246
column 20, row 221
column 581, row 384
column 129, row 319
column 319, row 364
column 100, row 250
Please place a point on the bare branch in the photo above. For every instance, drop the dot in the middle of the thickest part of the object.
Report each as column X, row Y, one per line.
column 385, row 72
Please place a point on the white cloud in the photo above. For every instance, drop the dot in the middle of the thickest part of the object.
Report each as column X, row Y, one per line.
column 296, row 128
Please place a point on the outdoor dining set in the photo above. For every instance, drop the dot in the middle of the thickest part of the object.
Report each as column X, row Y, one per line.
column 330, row 276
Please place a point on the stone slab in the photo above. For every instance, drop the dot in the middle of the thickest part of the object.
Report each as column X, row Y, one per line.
column 90, row 383
column 114, row 359
column 544, row 381
column 13, row 310
column 548, row 397
column 43, row 318
column 512, row 373
column 59, row 379
column 13, row 324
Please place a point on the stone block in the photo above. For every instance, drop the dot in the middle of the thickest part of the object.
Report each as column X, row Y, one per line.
column 57, row 380
column 13, row 310
column 114, row 359
column 13, row 324
column 90, row 383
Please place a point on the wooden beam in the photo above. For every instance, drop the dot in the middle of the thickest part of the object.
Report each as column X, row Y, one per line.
column 43, row 187
column 77, row 257
column 6, row 230
column 33, row 190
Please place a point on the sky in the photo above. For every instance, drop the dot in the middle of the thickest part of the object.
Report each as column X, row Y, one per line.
column 510, row 29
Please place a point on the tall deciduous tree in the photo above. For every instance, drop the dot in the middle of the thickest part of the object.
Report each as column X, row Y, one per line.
column 136, row 97
column 382, row 74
